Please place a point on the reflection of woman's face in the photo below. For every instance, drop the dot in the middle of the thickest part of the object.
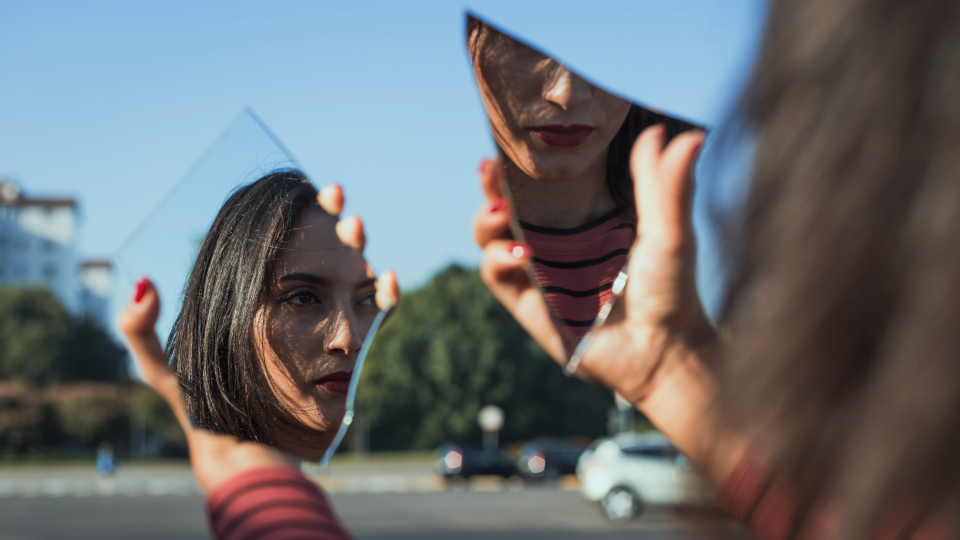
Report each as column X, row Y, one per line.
column 319, row 309
column 551, row 123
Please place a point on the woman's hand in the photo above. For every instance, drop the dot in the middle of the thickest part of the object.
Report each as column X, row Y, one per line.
column 505, row 262
column 653, row 347
column 215, row 458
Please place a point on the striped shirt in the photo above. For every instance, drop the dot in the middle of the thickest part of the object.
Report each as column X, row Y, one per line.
column 767, row 504
column 576, row 267
column 272, row 502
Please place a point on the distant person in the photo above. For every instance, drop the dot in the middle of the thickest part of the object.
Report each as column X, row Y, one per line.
column 255, row 490
column 105, row 465
column 828, row 405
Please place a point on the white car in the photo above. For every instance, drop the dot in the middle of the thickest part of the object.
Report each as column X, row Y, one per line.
column 625, row 472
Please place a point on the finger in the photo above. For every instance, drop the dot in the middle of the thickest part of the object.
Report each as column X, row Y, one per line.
column 504, row 271
column 350, row 232
column 491, row 178
column 676, row 182
column 388, row 291
column 141, row 313
column 664, row 187
column 331, row 199
column 644, row 159
column 492, row 222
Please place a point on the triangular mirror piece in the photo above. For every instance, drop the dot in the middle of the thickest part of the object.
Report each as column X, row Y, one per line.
column 289, row 377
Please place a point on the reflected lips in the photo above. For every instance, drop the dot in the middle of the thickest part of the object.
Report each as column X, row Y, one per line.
column 338, row 382
column 563, row 136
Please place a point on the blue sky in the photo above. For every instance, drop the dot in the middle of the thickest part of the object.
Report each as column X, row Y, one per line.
column 112, row 102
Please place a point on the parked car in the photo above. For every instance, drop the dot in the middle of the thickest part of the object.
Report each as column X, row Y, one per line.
column 549, row 458
column 461, row 460
column 628, row 471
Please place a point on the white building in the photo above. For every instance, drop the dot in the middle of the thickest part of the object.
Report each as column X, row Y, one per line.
column 38, row 247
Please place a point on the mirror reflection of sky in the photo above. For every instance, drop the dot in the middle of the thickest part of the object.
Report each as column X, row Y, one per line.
column 165, row 244
column 113, row 102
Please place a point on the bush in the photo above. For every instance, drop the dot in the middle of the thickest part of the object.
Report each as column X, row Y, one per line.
column 27, row 421
column 89, row 413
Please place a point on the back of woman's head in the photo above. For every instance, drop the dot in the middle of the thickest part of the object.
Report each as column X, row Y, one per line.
column 845, row 361
column 211, row 341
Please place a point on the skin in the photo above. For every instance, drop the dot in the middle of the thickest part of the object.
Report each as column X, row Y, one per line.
column 318, row 312
column 656, row 346
column 521, row 88
column 217, row 458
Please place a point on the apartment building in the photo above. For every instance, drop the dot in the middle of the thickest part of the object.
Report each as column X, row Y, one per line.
column 38, row 239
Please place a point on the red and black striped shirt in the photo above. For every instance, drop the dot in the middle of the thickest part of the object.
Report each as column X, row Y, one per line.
column 576, row 268
column 272, row 502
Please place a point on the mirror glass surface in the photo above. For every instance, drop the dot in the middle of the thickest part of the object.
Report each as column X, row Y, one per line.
column 166, row 244
column 565, row 145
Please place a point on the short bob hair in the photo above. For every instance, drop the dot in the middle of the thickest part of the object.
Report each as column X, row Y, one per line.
column 619, row 180
column 211, row 343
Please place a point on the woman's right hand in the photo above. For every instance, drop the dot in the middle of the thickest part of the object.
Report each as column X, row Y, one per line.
column 653, row 348
column 215, row 458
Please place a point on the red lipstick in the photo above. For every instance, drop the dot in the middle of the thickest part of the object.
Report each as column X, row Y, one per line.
column 338, row 382
column 563, row 136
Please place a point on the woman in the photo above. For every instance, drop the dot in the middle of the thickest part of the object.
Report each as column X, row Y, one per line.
column 275, row 312
column 565, row 145
column 828, row 408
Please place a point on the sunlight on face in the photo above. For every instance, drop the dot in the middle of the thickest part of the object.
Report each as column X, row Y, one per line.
column 319, row 308
column 551, row 123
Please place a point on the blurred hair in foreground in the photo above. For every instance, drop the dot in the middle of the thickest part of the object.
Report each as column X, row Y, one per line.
column 844, row 363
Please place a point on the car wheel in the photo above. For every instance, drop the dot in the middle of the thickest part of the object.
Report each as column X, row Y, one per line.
column 620, row 504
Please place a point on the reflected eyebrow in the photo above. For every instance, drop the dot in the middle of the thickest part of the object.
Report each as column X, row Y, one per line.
column 365, row 283
column 303, row 276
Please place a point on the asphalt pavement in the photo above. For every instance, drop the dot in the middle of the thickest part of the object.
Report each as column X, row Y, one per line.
column 375, row 501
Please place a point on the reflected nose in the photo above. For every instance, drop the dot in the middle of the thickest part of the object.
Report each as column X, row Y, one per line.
column 567, row 90
column 344, row 337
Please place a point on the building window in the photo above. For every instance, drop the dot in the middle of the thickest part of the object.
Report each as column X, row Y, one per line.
column 50, row 271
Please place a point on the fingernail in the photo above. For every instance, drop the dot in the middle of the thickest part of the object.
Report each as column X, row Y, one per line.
column 498, row 205
column 519, row 250
column 139, row 289
column 483, row 165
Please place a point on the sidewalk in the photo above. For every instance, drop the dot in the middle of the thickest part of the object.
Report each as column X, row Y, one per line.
column 176, row 479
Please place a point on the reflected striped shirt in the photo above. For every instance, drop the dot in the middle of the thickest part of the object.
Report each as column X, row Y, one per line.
column 576, row 267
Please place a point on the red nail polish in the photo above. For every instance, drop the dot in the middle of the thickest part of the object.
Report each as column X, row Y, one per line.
column 139, row 289
column 519, row 250
column 498, row 205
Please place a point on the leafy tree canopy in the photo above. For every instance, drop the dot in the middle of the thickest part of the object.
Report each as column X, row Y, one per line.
column 40, row 343
column 449, row 349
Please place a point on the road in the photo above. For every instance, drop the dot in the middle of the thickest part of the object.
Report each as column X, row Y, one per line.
column 375, row 503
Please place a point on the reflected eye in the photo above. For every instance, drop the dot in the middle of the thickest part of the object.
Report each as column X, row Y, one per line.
column 301, row 298
column 368, row 300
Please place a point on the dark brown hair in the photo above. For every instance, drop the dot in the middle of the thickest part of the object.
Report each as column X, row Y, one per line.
column 619, row 181
column 844, row 363
column 211, row 343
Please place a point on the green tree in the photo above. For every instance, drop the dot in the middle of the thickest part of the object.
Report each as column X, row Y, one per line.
column 40, row 343
column 34, row 328
column 449, row 349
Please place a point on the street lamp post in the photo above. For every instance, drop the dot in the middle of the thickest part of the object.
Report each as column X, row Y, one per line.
column 491, row 420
